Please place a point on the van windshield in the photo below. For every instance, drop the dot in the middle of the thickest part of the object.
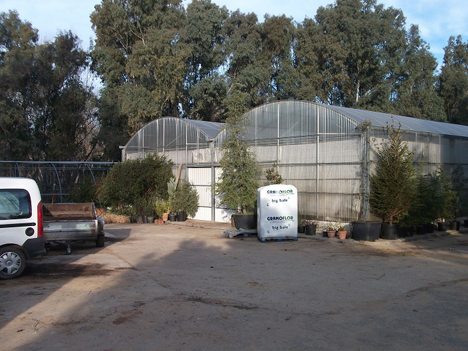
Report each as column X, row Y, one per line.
column 14, row 204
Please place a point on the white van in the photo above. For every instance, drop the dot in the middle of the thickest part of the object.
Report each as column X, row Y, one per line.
column 21, row 227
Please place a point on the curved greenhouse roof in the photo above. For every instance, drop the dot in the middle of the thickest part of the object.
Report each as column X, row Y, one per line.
column 301, row 120
column 380, row 119
column 287, row 121
column 171, row 133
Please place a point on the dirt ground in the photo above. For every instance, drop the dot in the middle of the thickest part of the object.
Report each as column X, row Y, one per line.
column 186, row 287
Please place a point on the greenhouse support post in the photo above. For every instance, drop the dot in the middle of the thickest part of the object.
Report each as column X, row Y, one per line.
column 366, row 173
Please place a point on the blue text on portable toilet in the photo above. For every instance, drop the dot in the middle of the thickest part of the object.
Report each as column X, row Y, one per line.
column 277, row 212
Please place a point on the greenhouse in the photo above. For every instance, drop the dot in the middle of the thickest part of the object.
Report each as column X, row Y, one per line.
column 326, row 152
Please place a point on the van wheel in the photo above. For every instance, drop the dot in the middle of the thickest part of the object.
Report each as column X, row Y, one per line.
column 100, row 240
column 12, row 262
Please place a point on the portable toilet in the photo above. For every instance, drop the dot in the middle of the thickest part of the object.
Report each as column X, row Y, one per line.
column 277, row 212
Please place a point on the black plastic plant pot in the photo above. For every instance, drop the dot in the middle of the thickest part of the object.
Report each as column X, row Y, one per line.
column 429, row 228
column 310, row 229
column 455, row 225
column 366, row 231
column 466, row 223
column 442, row 226
column 181, row 217
column 404, row 232
column 389, row 231
column 245, row 221
column 421, row 230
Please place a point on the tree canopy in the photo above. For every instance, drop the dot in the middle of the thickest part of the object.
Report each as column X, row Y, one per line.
column 46, row 111
column 157, row 58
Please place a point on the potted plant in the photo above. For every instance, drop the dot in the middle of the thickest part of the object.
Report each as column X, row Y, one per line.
column 272, row 175
column 310, row 226
column 365, row 230
column 148, row 211
column 331, row 230
column 240, row 177
column 445, row 198
column 342, row 232
column 300, row 226
column 393, row 183
column 161, row 209
column 185, row 201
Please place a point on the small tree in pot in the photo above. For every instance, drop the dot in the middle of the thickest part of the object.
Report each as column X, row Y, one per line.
column 240, row 178
column 393, row 184
column 185, row 200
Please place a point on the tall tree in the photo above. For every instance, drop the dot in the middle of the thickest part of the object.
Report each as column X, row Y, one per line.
column 453, row 82
column 414, row 92
column 245, row 71
column 139, row 55
column 204, row 36
column 319, row 61
column 46, row 109
column 363, row 38
column 63, row 120
column 278, row 33
column 17, row 48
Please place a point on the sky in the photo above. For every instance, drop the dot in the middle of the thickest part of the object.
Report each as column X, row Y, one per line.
column 437, row 19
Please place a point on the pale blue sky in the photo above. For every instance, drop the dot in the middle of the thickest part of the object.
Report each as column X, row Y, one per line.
column 437, row 19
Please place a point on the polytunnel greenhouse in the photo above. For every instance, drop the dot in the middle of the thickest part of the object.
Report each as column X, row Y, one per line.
column 326, row 152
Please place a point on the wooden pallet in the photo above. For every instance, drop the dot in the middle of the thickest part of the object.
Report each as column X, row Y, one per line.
column 279, row 239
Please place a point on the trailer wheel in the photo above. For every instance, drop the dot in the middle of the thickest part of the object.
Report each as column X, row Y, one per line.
column 12, row 262
column 100, row 240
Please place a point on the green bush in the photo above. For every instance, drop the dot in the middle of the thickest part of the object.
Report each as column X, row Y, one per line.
column 426, row 203
column 84, row 192
column 130, row 186
column 185, row 199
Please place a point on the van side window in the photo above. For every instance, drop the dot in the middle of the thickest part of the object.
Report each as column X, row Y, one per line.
column 14, row 204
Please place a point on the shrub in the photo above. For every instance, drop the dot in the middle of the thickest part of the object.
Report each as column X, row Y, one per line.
column 131, row 185
column 185, row 199
column 272, row 175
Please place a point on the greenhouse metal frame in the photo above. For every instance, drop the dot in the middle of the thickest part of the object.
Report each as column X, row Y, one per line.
column 57, row 179
column 326, row 152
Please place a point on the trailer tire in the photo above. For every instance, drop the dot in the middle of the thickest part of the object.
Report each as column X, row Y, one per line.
column 100, row 240
column 12, row 262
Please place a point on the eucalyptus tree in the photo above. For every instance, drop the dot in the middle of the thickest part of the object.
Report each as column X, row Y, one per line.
column 319, row 62
column 139, row 54
column 414, row 92
column 278, row 34
column 244, row 71
column 204, row 88
column 453, row 81
column 361, row 40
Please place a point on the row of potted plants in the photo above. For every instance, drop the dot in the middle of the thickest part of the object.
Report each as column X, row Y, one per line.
column 406, row 199
column 309, row 227
column 182, row 202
